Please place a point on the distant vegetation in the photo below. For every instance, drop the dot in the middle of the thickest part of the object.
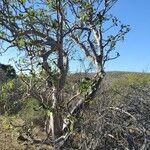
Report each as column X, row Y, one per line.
column 6, row 72
column 118, row 118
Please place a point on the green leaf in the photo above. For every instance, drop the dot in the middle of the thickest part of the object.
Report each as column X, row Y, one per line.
column 11, row 85
column 42, row 13
column 50, row 3
column 72, row 126
column 87, row 5
column 22, row 1
column 49, row 113
column 85, row 85
column 21, row 60
column 55, row 24
column 82, row 17
column 3, row 34
column 21, row 43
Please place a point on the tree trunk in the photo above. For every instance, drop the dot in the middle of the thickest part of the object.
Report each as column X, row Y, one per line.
column 56, row 120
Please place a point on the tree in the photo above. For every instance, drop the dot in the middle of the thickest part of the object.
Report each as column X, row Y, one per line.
column 8, row 70
column 49, row 33
column 7, row 73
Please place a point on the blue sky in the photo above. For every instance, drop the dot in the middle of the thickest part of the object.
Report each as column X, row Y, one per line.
column 135, row 50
